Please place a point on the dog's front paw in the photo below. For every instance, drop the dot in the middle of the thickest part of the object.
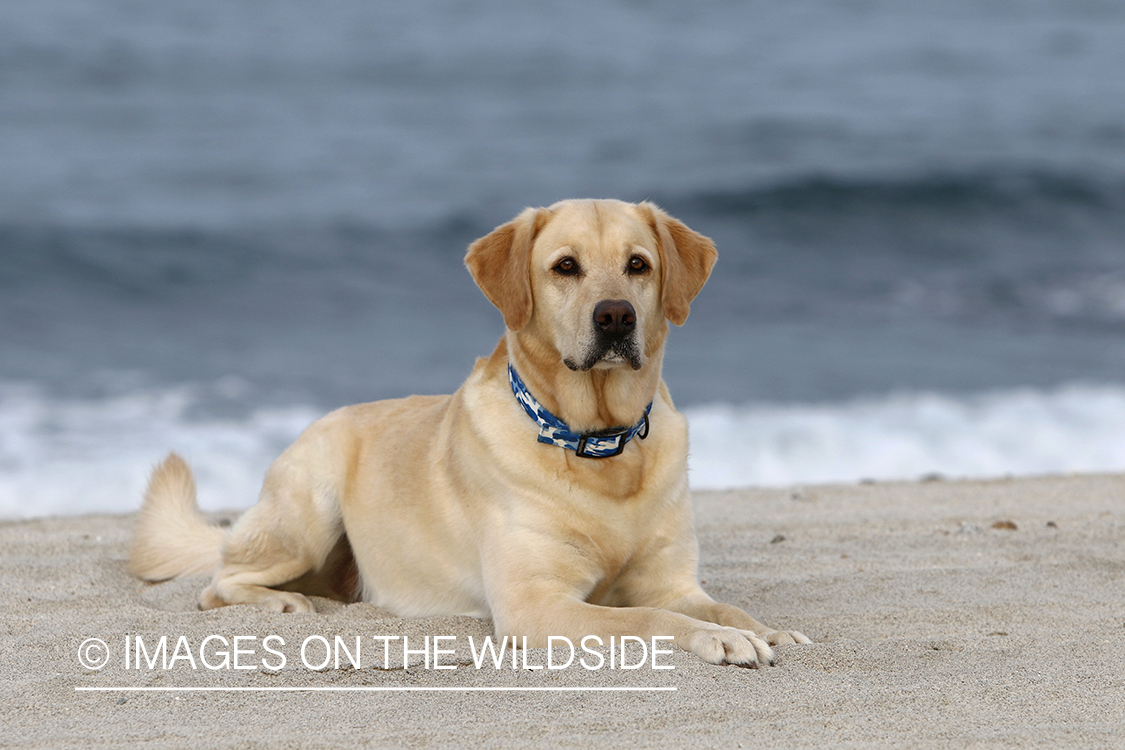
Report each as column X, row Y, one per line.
column 287, row 601
column 729, row 646
column 784, row 637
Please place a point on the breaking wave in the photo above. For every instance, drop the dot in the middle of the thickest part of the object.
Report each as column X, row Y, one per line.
column 76, row 456
column 1025, row 431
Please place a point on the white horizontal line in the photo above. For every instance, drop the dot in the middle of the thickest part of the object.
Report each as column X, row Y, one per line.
column 373, row 689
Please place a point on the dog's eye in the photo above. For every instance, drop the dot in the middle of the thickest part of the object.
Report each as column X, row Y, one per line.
column 567, row 267
column 637, row 265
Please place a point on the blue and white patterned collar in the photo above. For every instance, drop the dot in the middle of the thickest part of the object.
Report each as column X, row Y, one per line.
column 554, row 431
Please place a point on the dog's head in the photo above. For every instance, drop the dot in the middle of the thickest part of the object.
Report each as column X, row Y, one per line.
column 596, row 279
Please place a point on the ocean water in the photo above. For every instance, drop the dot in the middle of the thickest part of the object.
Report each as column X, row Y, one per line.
column 219, row 221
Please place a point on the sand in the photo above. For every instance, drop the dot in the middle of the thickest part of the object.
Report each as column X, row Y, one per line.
column 944, row 614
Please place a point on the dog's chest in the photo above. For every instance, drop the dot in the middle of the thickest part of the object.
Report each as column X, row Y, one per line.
column 610, row 544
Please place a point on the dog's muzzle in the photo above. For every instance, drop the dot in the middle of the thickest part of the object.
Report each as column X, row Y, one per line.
column 615, row 327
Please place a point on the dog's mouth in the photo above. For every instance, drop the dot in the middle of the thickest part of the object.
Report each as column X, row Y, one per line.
column 608, row 352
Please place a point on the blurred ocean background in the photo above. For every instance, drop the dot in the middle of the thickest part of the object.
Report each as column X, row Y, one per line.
column 219, row 220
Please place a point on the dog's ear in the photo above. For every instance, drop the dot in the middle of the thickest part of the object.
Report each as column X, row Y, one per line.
column 500, row 264
column 686, row 260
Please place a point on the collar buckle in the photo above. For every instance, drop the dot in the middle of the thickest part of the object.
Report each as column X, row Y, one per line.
column 584, row 443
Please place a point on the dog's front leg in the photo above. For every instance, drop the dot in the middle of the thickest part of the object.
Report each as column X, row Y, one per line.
column 538, row 619
column 665, row 575
column 666, row 578
column 537, row 601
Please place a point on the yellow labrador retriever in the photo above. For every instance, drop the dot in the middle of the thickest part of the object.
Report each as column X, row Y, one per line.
column 549, row 492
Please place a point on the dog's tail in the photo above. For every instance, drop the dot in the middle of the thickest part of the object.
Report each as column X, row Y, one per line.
column 172, row 537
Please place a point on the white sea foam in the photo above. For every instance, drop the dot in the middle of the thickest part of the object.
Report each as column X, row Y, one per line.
column 60, row 456
column 1074, row 428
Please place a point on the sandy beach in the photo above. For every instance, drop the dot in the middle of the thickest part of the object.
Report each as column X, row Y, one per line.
column 944, row 614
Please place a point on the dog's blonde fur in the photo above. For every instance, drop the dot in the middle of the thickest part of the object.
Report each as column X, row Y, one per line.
column 449, row 505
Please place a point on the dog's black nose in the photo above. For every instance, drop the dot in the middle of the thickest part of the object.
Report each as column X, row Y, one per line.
column 615, row 317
